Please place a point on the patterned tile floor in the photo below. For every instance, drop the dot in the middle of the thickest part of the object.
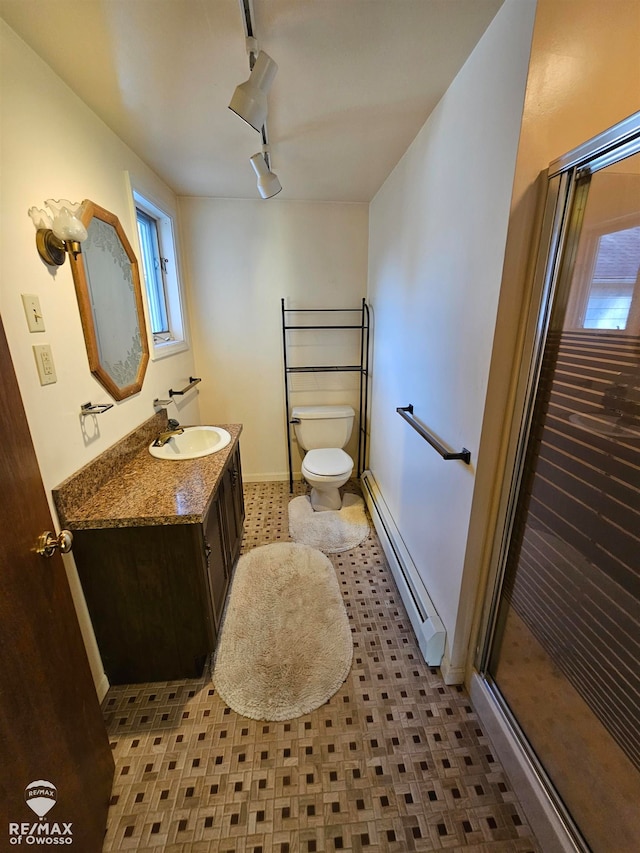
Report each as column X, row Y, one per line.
column 395, row 761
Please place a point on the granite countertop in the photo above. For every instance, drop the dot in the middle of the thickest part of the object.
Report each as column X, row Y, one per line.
column 143, row 490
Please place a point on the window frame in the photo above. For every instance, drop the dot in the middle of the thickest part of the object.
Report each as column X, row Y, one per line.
column 174, row 341
column 150, row 245
column 592, row 243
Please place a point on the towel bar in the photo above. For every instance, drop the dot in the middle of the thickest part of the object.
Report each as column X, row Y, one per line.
column 192, row 382
column 406, row 411
column 94, row 408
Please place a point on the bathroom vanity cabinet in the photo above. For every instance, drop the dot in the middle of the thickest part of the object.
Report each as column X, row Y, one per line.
column 156, row 586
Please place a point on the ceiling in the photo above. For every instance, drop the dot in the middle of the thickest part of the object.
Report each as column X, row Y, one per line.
column 356, row 81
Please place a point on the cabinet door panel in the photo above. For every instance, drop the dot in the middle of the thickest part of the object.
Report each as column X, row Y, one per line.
column 216, row 561
column 232, row 502
column 238, row 496
column 147, row 596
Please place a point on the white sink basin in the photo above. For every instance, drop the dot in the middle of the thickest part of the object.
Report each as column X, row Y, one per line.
column 194, row 442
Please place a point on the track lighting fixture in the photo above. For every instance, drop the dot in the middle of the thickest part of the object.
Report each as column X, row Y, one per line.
column 249, row 100
column 268, row 183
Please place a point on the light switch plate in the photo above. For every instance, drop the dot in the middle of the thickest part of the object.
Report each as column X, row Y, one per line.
column 45, row 365
column 35, row 320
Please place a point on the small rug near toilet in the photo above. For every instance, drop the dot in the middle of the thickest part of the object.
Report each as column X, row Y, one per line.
column 332, row 531
column 285, row 646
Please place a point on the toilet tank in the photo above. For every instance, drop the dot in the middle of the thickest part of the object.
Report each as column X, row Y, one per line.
column 322, row 426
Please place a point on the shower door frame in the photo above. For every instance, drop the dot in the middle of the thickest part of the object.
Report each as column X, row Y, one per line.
column 568, row 180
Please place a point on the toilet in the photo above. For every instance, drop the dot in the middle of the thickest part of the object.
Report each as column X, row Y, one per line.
column 323, row 432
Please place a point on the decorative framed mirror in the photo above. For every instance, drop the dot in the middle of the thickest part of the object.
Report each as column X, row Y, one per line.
column 109, row 295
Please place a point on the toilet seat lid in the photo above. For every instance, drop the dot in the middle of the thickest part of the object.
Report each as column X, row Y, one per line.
column 328, row 462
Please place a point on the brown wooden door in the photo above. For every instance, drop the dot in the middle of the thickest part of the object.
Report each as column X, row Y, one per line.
column 51, row 727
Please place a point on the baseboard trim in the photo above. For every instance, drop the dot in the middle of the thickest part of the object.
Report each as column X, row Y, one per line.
column 550, row 829
column 278, row 477
column 451, row 674
column 426, row 623
column 102, row 687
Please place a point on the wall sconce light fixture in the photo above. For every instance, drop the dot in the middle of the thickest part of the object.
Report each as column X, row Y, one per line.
column 268, row 182
column 58, row 230
column 249, row 100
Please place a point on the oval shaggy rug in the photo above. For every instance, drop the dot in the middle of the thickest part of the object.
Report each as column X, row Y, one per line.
column 285, row 646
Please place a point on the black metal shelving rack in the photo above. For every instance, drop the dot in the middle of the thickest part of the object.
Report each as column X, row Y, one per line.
column 363, row 368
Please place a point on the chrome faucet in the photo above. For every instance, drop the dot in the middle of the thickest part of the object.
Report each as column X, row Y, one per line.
column 164, row 437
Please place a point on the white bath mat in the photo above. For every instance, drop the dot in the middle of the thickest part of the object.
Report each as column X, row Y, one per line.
column 285, row 646
column 331, row 531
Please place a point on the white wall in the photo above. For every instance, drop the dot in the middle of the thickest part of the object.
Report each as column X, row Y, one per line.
column 53, row 146
column 436, row 243
column 241, row 258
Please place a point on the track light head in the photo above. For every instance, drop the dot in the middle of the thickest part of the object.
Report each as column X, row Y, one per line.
column 249, row 100
column 268, row 183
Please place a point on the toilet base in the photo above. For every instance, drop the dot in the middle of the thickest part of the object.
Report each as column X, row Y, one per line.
column 326, row 499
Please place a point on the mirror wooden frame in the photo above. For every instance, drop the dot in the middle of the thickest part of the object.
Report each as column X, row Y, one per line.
column 89, row 212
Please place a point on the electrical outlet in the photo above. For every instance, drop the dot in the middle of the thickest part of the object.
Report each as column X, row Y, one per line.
column 35, row 320
column 45, row 365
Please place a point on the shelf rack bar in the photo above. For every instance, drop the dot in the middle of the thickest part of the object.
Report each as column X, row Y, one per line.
column 322, row 310
column 364, row 388
column 286, row 393
column 406, row 412
column 331, row 368
column 322, row 327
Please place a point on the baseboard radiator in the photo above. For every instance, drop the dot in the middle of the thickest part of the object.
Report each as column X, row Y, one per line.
column 424, row 618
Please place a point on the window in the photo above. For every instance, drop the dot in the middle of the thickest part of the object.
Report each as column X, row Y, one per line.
column 614, row 279
column 159, row 272
column 154, row 268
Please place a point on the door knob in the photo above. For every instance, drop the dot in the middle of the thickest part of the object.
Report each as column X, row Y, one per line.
column 48, row 543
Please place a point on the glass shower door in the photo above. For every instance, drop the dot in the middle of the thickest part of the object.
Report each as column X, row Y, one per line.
column 565, row 649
